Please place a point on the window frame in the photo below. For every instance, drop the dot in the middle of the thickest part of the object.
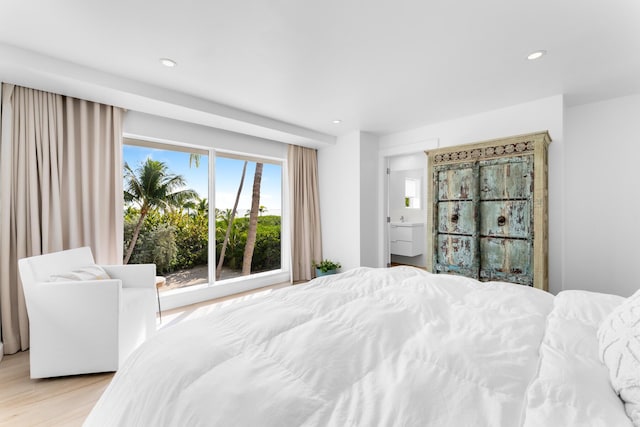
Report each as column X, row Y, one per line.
column 215, row 289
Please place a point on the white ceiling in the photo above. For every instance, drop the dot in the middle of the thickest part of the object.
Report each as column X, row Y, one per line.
column 378, row 65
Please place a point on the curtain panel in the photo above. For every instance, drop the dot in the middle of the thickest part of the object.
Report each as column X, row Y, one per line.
column 60, row 188
column 306, row 237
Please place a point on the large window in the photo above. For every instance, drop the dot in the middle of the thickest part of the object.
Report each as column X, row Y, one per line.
column 166, row 217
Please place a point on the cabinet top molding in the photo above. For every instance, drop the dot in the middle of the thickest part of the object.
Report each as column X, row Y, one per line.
column 502, row 147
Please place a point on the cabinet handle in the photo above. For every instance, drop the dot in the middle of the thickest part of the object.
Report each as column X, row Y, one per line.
column 502, row 221
column 454, row 218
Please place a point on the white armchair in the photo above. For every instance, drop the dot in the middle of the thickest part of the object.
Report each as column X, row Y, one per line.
column 86, row 326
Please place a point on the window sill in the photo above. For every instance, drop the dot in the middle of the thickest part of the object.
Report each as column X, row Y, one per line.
column 198, row 293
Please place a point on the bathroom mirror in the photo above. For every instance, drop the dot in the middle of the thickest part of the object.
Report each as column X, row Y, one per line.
column 412, row 193
column 405, row 189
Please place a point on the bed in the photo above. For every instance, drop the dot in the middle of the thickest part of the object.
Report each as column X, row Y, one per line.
column 377, row 347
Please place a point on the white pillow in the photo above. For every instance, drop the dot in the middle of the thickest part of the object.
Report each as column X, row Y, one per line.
column 619, row 346
column 90, row 272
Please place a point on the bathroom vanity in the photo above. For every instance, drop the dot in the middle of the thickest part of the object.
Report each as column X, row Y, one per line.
column 407, row 238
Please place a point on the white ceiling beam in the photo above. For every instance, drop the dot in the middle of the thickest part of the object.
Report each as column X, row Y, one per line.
column 30, row 69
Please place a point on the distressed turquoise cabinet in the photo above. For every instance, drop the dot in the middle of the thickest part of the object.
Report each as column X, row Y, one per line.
column 457, row 219
column 488, row 216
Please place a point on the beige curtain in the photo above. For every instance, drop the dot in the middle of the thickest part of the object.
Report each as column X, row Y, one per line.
column 306, row 238
column 60, row 188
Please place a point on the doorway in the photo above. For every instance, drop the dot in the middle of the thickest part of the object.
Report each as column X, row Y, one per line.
column 406, row 194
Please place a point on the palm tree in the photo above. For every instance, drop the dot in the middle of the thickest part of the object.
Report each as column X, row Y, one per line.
column 261, row 210
column 202, row 208
column 194, row 159
column 230, row 224
column 152, row 186
column 253, row 222
column 189, row 205
column 196, row 206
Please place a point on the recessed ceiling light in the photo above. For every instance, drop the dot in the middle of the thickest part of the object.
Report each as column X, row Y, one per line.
column 336, row 122
column 536, row 55
column 168, row 62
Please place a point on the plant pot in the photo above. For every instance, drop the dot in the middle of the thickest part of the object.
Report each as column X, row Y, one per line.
column 324, row 273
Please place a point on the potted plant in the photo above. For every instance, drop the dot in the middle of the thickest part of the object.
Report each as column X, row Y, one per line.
column 326, row 267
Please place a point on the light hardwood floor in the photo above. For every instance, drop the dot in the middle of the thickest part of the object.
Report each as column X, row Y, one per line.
column 66, row 401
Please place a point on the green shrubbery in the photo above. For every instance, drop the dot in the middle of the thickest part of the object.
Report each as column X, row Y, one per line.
column 178, row 240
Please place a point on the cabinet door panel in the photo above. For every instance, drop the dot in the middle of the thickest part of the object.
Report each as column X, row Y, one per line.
column 506, row 259
column 402, row 247
column 456, row 217
column 456, row 254
column 501, row 180
column 456, row 184
column 505, row 218
column 401, row 233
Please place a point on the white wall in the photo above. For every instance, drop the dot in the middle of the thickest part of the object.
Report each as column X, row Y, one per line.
column 543, row 114
column 602, row 196
column 408, row 161
column 369, row 196
column 349, row 197
column 339, row 182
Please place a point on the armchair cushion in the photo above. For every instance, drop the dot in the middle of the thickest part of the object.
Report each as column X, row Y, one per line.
column 89, row 272
column 133, row 275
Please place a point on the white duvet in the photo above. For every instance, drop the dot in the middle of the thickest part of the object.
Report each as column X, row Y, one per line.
column 375, row 347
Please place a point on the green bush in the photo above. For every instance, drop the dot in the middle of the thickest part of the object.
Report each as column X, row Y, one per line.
column 191, row 239
column 155, row 245
column 176, row 240
column 266, row 254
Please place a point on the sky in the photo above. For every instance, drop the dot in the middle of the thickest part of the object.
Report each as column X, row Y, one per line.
column 228, row 173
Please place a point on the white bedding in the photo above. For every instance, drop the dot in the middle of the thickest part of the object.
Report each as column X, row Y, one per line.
column 572, row 387
column 373, row 347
